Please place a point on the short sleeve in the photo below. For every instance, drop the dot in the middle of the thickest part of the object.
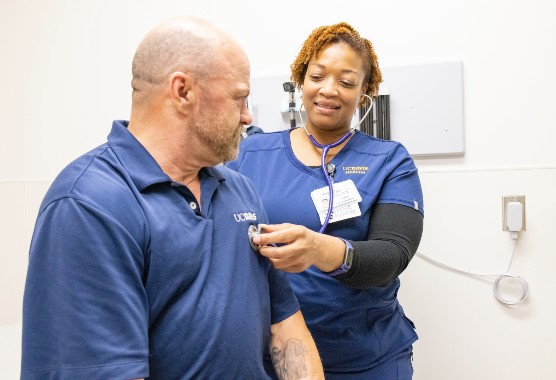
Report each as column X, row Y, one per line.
column 282, row 298
column 85, row 308
column 402, row 184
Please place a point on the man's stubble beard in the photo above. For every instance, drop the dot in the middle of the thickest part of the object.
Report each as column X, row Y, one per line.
column 221, row 143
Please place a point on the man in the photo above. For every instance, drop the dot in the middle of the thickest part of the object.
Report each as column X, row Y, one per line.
column 140, row 264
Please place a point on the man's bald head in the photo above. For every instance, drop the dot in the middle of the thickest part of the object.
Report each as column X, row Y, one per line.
column 186, row 44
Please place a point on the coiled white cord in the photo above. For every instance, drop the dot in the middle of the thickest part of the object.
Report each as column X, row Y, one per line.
column 499, row 277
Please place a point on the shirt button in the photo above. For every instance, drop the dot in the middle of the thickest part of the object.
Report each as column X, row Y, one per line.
column 193, row 205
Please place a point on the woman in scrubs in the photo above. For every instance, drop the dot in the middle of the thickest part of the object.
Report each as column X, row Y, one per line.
column 346, row 276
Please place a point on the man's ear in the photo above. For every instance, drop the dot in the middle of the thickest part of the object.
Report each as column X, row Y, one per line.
column 181, row 87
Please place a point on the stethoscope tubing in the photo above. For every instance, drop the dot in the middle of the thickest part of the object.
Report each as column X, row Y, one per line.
column 325, row 148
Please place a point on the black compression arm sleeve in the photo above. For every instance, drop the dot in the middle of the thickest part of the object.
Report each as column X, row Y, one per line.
column 393, row 238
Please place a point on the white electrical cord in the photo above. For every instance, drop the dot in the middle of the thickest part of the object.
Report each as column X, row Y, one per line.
column 499, row 277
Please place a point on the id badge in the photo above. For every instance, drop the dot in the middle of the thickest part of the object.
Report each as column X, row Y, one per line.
column 346, row 199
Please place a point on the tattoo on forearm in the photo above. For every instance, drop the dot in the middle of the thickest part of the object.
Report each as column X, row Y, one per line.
column 290, row 360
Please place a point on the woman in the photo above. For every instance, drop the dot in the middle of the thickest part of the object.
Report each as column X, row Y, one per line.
column 346, row 278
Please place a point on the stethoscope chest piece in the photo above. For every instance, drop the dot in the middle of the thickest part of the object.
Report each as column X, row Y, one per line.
column 253, row 231
column 330, row 169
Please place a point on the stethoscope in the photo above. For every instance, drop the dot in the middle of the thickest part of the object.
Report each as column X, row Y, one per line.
column 329, row 169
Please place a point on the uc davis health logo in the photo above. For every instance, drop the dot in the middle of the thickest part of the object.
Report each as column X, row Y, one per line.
column 245, row 216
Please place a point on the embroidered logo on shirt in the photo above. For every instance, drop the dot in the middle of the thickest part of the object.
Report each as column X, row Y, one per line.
column 245, row 216
column 355, row 169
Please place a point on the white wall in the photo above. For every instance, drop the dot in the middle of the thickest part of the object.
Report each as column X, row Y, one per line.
column 65, row 74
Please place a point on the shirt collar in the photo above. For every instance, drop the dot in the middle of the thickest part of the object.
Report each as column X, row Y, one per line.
column 138, row 162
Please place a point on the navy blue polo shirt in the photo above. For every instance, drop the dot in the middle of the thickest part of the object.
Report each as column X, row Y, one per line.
column 354, row 329
column 128, row 278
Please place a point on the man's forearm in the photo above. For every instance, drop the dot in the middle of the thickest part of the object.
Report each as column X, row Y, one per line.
column 293, row 351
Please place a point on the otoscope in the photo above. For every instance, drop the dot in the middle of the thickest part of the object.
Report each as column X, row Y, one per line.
column 290, row 87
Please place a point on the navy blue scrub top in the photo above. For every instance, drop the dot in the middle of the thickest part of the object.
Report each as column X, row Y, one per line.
column 354, row 329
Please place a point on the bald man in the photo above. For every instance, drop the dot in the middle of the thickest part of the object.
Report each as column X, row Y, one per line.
column 140, row 264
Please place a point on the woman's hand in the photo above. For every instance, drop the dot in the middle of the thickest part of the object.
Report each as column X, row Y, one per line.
column 299, row 247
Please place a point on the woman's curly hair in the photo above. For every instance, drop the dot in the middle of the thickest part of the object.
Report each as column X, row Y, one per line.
column 332, row 34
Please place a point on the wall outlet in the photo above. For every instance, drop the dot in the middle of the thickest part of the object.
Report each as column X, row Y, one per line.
column 506, row 199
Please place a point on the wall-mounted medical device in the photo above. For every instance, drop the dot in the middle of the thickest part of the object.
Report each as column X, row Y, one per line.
column 289, row 87
column 379, row 124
